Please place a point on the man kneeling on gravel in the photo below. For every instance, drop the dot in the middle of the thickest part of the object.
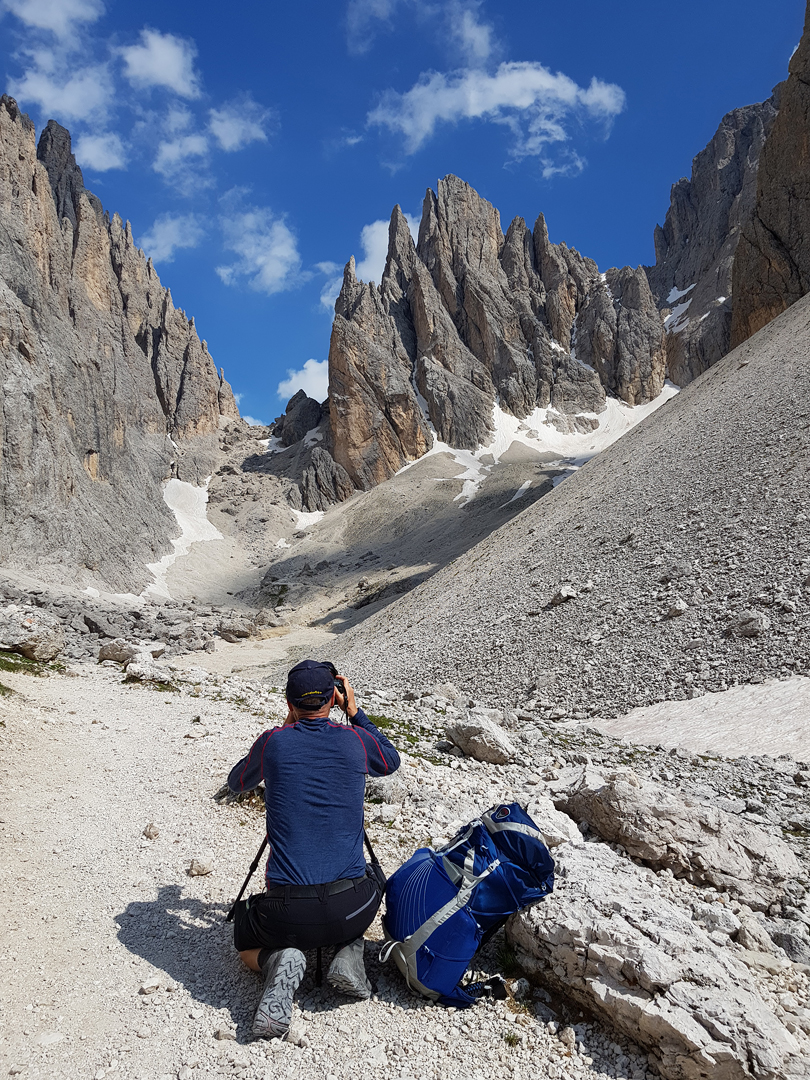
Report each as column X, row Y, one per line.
column 318, row 889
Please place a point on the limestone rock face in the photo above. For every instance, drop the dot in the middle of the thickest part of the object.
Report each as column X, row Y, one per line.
column 772, row 264
column 463, row 319
column 609, row 938
column 619, row 332
column 695, row 249
column 376, row 422
column 301, row 415
column 107, row 389
column 700, row 843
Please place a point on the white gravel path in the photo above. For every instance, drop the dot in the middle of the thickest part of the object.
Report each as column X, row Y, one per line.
column 93, row 911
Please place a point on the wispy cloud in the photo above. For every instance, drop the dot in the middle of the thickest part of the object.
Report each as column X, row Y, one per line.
column 173, row 154
column 312, row 378
column 169, row 233
column 541, row 108
column 59, row 17
column 61, row 89
column 266, row 248
column 100, row 152
column 535, row 103
column 467, row 36
column 361, row 19
column 473, row 37
column 94, row 84
column 162, row 60
column 240, row 122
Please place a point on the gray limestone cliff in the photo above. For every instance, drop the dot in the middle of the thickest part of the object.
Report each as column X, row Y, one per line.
column 695, row 249
column 107, row 390
column 469, row 318
column 772, row 264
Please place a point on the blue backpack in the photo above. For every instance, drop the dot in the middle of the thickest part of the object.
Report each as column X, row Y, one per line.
column 442, row 905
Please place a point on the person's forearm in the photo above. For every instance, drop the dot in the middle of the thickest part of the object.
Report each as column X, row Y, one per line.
column 247, row 773
column 383, row 757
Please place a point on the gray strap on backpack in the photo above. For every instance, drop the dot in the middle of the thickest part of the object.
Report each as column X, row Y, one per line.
column 408, row 948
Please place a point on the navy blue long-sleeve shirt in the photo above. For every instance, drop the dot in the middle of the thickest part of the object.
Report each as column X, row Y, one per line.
column 314, row 774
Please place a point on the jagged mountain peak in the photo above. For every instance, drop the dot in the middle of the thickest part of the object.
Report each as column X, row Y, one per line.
column 108, row 390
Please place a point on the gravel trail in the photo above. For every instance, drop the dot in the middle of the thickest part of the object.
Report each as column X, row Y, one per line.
column 114, row 962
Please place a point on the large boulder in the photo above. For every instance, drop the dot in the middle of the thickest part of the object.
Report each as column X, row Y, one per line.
column 235, row 628
column 481, row 738
column 122, row 651
column 697, row 842
column 34, row 634
column 611, row 939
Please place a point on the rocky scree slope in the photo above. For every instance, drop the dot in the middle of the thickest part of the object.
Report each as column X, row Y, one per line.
column 107, row 389
column 676, row 562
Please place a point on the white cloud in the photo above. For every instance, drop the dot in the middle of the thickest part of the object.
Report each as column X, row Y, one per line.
column 475, row 39
column 57, row 16
column 172, row 155
column 532, row 101
column 266, row 248
column 312, row 378
column 253, row 421
column 360, row 18
column 178, row 118
column 374, row 242
column 238, row 123
column 66, row 94
column 162, row 60
column 170, row 232
column 471, row 40
column 100, row 152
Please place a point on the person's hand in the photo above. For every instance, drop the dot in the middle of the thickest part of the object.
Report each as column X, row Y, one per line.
column 348, row 703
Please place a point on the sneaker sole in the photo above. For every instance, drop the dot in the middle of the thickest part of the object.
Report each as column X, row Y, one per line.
column 272, row 1019
column 347, row 985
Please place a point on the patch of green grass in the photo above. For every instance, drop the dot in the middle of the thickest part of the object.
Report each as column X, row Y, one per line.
column 381, row 721
column 15, row 662
column 511, row 1038
column 507, row 961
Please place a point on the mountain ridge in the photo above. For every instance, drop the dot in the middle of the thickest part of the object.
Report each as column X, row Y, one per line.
column 107, row 388
column 469, row 317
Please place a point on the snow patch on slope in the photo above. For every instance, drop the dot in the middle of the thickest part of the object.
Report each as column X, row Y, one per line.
column 770, row 718
column 570, row 451
column 189, row 506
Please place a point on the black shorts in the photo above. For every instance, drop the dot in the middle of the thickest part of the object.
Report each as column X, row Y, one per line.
column 278, row 920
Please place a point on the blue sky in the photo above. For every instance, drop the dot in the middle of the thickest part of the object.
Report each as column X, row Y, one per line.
column 255, row 147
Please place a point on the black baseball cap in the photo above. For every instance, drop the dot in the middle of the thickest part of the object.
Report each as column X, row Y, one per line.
column 310, row 685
